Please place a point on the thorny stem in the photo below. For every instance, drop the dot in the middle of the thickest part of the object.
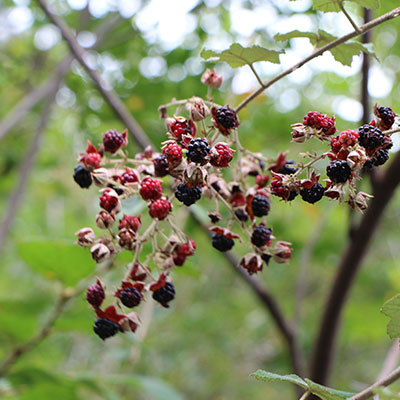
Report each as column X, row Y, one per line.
column 362, row 29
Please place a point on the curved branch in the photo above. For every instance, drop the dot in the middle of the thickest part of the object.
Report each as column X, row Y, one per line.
column 362, row 29
column 348, row 268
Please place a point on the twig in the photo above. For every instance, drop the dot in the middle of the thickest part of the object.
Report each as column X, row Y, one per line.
column 305, row 395
column 348, row 268
column 353, row 24
column 63, row 300
column 19, row 112
column 362, row 29
column 109, row 95
column 368, row 392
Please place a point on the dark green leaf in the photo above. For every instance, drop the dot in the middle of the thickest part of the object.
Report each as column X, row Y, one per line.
column 238, row 56
column 392, row 309
column 266, row 376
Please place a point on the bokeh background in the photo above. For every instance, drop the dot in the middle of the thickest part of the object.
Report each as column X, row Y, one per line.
column 216, row 332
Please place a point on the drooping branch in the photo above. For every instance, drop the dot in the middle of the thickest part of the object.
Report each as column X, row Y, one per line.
column 142, row 139
column 348, row 268
column 109, row 95
column 361, row 30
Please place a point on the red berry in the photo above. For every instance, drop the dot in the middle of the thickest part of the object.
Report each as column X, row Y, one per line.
column 95, row 294
column 179, row 128
column 221, row 155
column 316, row 120
column 113, row 141
column 179, row 259
column 173, row 152
column 130, row 222
column 348, row 138
column 109, row 202
column 151, row 189
column 186, row 249
column 129, row 176
column 160, row 209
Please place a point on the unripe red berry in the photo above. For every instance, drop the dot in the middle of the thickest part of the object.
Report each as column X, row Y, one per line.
column 151, row 189
column 95, row 294
column 160, row 209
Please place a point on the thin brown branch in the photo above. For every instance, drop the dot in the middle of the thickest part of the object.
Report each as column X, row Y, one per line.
column 140, row 136
column 62, row 301
column 109, row 95
column 348, row 268
column 362, row 29
column 369, row 391
column 19, row 112
column 348, row 16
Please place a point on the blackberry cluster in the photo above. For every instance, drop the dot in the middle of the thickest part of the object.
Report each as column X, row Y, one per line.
column 82, row 177
column 287, row 169
column 165, row 294
column 370, row 137
column 227, row 117
column 104, row 328
column 380, row 157
column 261, row 235
column 260, row 205
column 130, row 297
column 222, row 243
column 313, row 194
column 386, row 116
column 198, row 150
column 187, row 195
column 338, row 171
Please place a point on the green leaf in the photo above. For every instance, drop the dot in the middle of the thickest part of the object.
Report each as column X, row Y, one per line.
column 373, row 4
column 60, row 260
column 323, row 392
column 326, row 5
column 392, row 309
column 385, row 393
column 346, row 51
column 280, row 37
column 238, row 56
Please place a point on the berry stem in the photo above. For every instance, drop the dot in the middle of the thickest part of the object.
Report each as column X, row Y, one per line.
column 391, row 131
column 256, row 75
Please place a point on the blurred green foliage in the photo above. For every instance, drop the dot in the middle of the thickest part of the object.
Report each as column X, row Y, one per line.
column 216, row 333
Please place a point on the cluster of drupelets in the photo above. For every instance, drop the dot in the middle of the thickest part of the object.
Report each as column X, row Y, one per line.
column 197, row 163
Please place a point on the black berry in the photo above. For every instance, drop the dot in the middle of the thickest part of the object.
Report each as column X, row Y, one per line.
column 287, row 169
column 260, row 205
column 261, row 235
column 370, row 137
column 313, row 194
column 387, row 117
column 380, row 157
column 227, row 117
column 82, row 176
column 241, row 215
column 338, row 171
column 198, row 150
column 292, row 195
column 165, row 294
column 112, row 141
column 161, row 165
column 130, row 297
column 187, row 195
column 104, row 328
column 221, row 242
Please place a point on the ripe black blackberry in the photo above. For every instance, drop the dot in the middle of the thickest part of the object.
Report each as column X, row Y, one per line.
column 292, row 195
column 261, row 235
column 82, row 176
column 227, row 117
column 161, row 165
column 198, row 150
column 130, row 297
column 165, row 294
column 370, row 137
column 104, row 328
column 313, row 194
column 260, row 205
column 338, row 171
column 386, row 116
column 241, row 215
column 221, row 243
column 187, row 195
column 287, row 169
column 380, row 157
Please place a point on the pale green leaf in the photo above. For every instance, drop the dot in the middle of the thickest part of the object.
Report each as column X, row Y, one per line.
column 54, row 259
column 373, row 4
column 392, row 309
column 323, row 392
column 386, row 393
column 238, row 56
column 280, row 37
column 326, row 5
column 346, row 51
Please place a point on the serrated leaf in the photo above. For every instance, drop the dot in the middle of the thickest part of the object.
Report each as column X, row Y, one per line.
column 346, row 51
column 238, row 56
column 323, row 392
column 392, row 309
column 281, row 37
column 373, row 4
column 326, row 5
column 53, row 259
column 266, row 376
